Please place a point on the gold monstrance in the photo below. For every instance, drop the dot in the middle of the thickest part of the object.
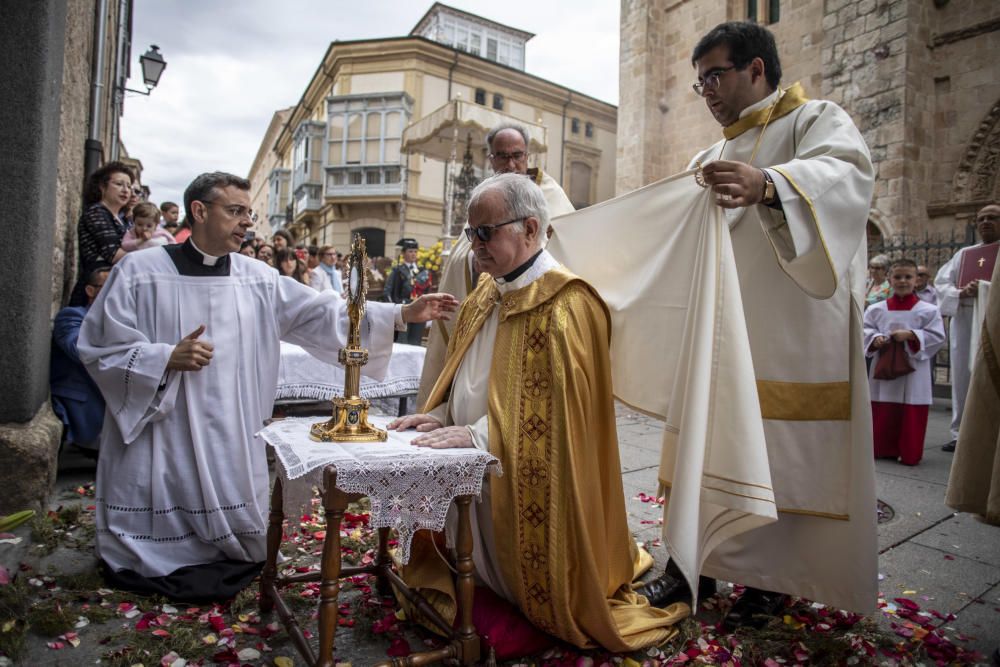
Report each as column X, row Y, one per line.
column 350, row 413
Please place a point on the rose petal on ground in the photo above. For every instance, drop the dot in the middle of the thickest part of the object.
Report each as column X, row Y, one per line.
column 248, row 654
column 398, row 648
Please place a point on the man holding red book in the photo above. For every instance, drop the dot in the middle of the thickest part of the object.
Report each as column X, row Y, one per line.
column 957, row 285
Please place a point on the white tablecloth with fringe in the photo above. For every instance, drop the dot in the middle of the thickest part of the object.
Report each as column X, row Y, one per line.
column 302, row 376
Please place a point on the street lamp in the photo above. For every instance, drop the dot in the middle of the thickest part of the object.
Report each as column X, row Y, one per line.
column 153, row 65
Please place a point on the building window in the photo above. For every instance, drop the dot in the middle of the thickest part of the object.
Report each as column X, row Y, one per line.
column 580, row 176
column 498, row 101
column 364, row 136
column 766, row 11
column 574, row 126
column 491, row 49
column 481, row 96
column 588, row 130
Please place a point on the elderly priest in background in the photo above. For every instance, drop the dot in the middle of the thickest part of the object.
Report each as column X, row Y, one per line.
column 508, row 154
column 183, row 342
column 528, row 377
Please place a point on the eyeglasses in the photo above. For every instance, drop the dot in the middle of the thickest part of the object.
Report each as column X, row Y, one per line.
column 711, row 79
column 235, row 211
column 485, row 232
column 516, row 156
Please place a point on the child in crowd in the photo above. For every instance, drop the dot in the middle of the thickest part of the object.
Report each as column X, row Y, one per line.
column 900, row 406
column 144, row 232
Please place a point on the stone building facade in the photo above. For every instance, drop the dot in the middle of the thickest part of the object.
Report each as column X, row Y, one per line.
column 55, row 125
column 339, row 164
column 918, row 77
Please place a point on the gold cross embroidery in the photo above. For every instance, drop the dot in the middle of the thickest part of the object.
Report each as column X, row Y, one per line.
column 981, row 262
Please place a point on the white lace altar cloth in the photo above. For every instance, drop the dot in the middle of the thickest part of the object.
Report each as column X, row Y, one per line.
column 410, row 488
column 303, row 376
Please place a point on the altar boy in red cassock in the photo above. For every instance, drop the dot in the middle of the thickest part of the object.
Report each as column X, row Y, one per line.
column 900, row 406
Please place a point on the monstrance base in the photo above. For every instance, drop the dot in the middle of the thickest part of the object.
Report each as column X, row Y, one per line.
column 349, row 423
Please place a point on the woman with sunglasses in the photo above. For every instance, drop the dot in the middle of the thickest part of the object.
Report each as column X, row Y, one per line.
column 101, row 227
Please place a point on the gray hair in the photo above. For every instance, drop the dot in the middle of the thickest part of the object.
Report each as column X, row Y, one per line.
column 203, row 186
column 506, row 126
column 523, row 199
column 880, row 261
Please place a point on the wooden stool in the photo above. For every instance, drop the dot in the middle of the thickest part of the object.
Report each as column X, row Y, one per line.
column 463, row 643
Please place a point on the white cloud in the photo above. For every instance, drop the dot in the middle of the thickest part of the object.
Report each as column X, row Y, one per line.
column 230, row 65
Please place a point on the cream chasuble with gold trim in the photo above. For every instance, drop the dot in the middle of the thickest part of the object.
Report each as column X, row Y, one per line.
column 801, row 275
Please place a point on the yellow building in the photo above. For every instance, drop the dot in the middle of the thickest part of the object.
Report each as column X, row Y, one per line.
column 339, row 162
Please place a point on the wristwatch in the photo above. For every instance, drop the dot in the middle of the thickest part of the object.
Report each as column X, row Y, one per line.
column 770, row 194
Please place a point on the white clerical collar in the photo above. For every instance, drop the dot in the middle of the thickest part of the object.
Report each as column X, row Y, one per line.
column 763, row 104
column 542, row 265
column 206, row 259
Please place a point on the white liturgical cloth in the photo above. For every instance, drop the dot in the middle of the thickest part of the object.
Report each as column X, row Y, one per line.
column 410, row 488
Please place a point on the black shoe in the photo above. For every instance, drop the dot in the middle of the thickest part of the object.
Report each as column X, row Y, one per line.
column 754, row 609
column 948, row 447
column 671, row 587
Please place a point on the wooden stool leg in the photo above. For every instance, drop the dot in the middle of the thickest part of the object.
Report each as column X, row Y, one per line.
column 274, row 528
column 382, row 563
column 334, row 502
column 467, row 638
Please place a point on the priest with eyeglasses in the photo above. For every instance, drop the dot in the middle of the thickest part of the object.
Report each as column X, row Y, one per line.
column 183, row 343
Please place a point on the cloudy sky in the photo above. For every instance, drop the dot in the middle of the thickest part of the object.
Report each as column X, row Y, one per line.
column 232, row 63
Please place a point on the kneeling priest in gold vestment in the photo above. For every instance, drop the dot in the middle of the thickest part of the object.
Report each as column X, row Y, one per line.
column 528, row 377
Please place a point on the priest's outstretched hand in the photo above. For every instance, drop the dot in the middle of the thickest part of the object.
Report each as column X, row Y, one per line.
column 437, row 306
column 438, row 436
column 191, row 354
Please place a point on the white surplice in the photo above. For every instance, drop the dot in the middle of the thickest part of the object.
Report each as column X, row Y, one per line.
column 182, row 478
column 960, row 352
column 467, row 406
column 924, row 320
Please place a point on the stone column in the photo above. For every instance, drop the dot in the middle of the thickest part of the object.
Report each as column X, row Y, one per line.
column 31, row 35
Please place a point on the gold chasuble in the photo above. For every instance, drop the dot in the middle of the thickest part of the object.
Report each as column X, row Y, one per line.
column 558, row 510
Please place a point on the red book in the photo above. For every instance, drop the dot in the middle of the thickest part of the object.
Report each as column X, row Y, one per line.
column 977, row 264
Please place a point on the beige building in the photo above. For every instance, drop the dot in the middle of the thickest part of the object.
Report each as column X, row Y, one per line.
column 340, row 163
column 919, row 77
column 261, row 182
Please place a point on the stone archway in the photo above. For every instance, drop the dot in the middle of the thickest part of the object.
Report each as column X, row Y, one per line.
column 977, row 179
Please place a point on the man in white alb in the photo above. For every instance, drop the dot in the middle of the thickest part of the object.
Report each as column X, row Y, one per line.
column 795, row 180
column 183, row 342
column 956, row 301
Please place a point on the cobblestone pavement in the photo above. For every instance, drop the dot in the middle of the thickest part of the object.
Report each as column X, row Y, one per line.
column 943, row 561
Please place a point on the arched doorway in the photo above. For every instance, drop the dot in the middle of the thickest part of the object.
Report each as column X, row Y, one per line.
column 374, row 240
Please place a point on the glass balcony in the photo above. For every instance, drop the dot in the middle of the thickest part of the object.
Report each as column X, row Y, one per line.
column 364, row 181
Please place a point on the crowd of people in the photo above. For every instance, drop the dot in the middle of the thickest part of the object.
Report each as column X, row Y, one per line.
column 203, row 342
